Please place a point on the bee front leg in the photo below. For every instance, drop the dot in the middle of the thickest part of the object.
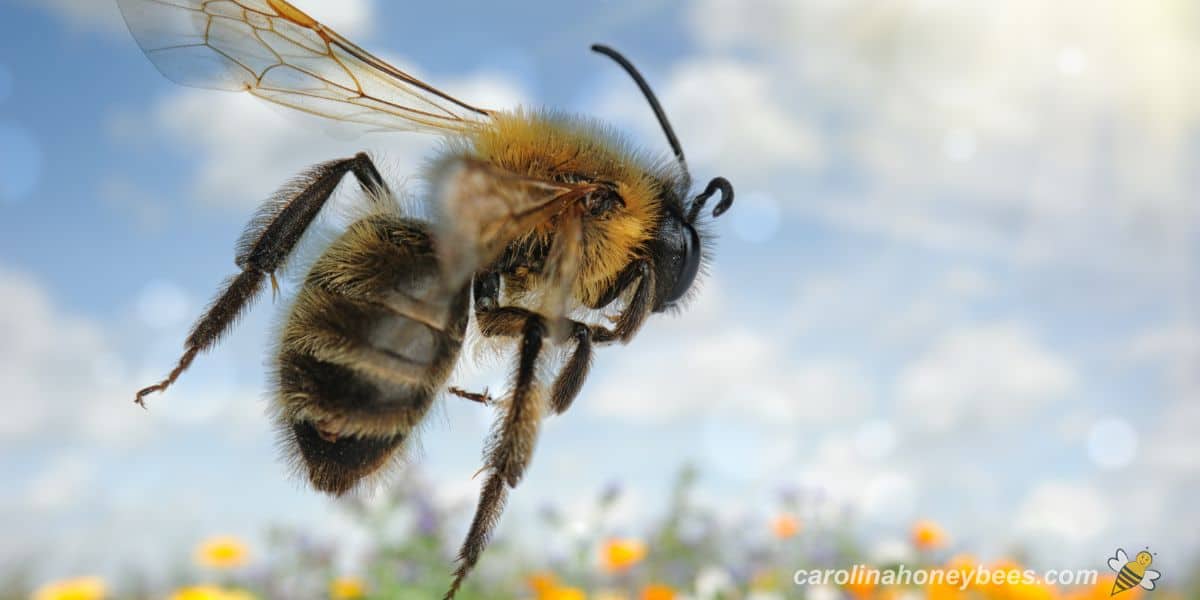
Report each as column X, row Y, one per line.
column 631, row 318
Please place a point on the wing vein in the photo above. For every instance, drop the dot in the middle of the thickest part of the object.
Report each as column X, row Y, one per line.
column 278, row 53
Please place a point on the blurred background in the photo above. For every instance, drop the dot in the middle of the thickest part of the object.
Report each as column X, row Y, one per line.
column 954, row 309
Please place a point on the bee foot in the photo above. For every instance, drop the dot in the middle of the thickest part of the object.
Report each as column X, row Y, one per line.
column 484, row 398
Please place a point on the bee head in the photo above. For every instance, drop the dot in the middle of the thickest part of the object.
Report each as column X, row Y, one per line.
column 676, row 250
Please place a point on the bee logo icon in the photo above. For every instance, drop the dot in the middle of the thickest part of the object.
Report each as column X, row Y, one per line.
column 1132, row 572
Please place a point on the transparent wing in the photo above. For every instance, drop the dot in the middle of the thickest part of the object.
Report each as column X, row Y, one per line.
column 1115, row 563
column 1149, row 578
column 273, row 50
column 483, row 208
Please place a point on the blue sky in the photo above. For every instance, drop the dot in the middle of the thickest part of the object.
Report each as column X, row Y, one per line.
column 959, row 283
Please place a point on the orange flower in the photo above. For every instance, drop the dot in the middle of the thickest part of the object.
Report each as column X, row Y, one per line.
column 860, row 590
column 222, row 552
column 620, row 555
column 785, row 526
column 927, row 535
column 564, row 593
column 657, row 591
column 541, row 583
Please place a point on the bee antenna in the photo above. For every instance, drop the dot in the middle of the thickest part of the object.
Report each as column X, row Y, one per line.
column 717, row 184
column 650, row 97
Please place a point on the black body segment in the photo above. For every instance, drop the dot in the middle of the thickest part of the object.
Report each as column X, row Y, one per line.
column 368, row 344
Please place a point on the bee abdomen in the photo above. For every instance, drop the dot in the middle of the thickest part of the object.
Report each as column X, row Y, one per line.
column 371, row 339
column 1126, row 579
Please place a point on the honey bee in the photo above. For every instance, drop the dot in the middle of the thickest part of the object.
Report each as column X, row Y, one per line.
column 1134, row 572
column 537, row 222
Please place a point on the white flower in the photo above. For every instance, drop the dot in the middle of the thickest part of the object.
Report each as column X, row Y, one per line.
column 712, row 581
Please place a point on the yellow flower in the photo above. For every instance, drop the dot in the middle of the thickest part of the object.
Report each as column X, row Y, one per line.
column 656, row 591
column 619, row 555
column 927, row 535
column 199, row 592
column 80, row 588
column 564, row 593
column 222, row 552
column 785, row 526
column 347, row 588
column 210, row 592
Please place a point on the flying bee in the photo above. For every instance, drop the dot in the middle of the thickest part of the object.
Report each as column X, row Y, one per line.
column 1134, row 572
column 537, row 221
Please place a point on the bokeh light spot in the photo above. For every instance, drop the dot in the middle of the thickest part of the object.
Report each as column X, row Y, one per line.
column 22, row 164
column 1072, row 62
column 1112, row 443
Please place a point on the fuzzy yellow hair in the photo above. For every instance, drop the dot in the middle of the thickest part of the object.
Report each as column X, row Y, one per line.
column 557, row 147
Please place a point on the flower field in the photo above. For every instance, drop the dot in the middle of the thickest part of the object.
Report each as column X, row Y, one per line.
column 685, row 555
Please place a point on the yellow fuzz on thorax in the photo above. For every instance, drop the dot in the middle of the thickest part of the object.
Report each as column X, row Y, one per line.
column 562, row 148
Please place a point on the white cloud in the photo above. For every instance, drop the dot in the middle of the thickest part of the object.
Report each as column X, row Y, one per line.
column 990, row 374
column 1068, row 142
column 1074, row 513
column 728, row 116
column 56, row 367
column 62, row 483
column 731, row 373
column 67, row 374
column 1172, row 446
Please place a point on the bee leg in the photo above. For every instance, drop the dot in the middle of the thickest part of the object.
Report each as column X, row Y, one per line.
column 570, row 379
column 627, row 277
column 265, row 244
column 482, row 398
column 638, row 309
column 630, row 320
column 510, row 449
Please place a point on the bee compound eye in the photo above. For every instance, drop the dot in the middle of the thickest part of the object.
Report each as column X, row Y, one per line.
column 689, row 263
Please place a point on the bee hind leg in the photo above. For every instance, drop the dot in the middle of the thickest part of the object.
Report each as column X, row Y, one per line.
column 266, row 243
column 509, row 450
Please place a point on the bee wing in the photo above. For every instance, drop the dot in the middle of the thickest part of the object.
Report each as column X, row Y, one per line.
column 1149, row 578
column 1116, row 562
column 483, row 208
column 275, row 51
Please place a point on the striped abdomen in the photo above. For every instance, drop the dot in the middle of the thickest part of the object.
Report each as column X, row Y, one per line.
column 370, row 340
column 1127, row 577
